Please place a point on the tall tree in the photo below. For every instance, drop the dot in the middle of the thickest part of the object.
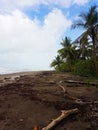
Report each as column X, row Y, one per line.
column 86, row 47
column 68, row 51
column 89, row 21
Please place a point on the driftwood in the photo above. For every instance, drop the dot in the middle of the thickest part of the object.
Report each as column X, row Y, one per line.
column 76, row 100
column 64, row 90
column 64, row 114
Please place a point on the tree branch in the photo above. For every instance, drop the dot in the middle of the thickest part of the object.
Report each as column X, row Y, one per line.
column 64, row 114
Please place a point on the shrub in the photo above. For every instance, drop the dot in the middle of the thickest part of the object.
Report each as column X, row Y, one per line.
column 84, row 68
column 65, row 67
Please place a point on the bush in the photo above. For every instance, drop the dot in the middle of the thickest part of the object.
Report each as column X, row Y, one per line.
column 84, row 68
column 64, row 67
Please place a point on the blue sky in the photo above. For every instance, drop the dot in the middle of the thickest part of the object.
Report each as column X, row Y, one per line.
column 31, row 31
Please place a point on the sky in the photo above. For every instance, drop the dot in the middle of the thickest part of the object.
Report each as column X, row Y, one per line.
column 31, row 31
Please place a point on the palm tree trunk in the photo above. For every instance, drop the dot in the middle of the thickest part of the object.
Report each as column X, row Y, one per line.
column 95, row 52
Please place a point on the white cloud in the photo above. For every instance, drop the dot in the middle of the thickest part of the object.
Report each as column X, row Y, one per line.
column 26, row 44
column 21, row 32
column 7, row 5
column 80, row 2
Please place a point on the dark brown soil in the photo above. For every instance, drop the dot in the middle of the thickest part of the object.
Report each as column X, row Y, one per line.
column 35, row 98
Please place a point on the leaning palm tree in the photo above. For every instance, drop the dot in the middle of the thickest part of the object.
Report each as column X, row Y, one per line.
column 89, row 21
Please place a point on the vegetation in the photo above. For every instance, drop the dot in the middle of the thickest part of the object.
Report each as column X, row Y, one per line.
column 80, row 56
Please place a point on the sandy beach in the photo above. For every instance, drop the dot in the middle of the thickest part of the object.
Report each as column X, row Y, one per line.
column 35, row 98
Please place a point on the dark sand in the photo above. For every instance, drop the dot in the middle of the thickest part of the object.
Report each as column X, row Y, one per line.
column 34, row 98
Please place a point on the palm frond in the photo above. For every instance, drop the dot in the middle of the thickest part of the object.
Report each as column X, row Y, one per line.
column 78, row 23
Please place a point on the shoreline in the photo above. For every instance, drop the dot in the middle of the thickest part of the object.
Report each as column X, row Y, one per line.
column 22, row 73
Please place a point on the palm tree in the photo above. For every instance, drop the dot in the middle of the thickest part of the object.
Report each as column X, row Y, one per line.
column 68, row 52
column 66, row 42
column 56, row 63
column 86, row 48
column 89, row 21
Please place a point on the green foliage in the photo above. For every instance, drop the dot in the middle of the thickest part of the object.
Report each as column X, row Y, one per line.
column 68, row 51
column 65, row 67
column 56, row 63
column 84, row 68
column 80, row 56
column 89, row 21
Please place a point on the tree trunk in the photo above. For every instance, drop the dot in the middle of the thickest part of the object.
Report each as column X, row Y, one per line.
column 95, row 52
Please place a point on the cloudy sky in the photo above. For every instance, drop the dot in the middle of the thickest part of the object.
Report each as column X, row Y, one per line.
column 31, row 31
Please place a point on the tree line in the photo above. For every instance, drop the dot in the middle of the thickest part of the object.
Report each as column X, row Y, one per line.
column 80, row 56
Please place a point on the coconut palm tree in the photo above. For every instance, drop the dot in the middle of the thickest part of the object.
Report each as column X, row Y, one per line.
column 56, row 63
column 68, row 52
column 89, row 21
column 86, row 48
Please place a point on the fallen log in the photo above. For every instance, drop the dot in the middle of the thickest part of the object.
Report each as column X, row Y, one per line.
column 64, row 114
